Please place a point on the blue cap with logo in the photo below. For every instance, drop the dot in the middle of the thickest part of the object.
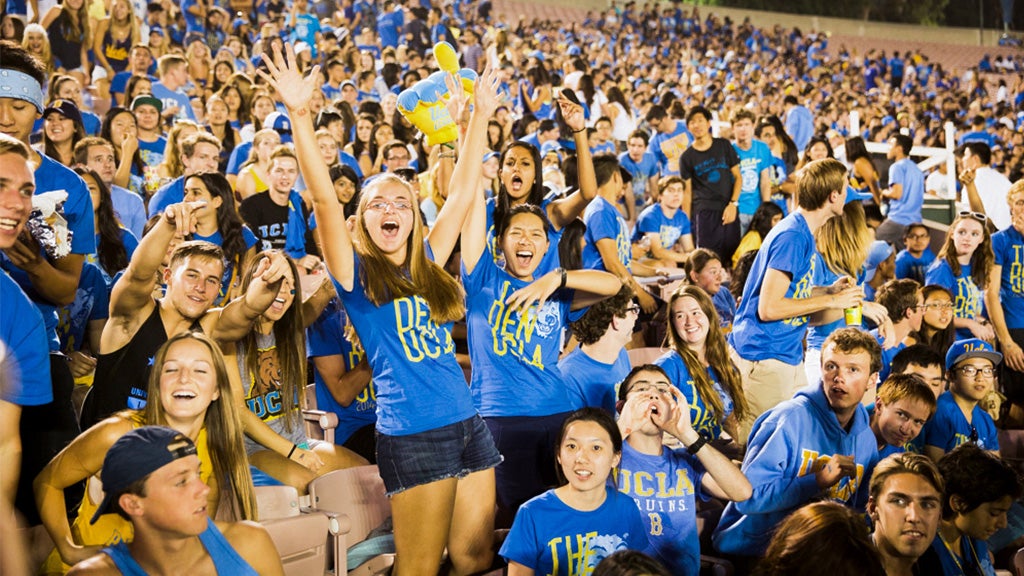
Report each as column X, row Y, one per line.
column 971, row 348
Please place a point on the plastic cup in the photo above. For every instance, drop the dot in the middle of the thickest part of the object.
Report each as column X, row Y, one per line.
column 854, row 316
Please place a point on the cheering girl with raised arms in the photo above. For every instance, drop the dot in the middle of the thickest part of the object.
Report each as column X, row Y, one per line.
column 435, row 454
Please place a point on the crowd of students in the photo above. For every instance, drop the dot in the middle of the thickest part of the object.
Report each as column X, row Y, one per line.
column 202, row 214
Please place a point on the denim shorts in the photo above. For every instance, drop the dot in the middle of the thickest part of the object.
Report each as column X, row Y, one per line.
column 452, row 451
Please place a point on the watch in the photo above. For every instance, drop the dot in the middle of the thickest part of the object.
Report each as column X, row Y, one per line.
column 734, row 203
column 692, row 449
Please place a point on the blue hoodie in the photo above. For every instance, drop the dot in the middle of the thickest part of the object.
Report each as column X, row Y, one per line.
column 786, row 445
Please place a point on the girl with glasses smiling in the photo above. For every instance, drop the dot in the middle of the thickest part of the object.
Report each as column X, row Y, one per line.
column 937, row 324
column 436, row 456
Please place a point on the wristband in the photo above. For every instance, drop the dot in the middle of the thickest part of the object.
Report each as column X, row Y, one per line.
column 292, row 451
column 584, row 129
column 692, row 449
column 565, row 276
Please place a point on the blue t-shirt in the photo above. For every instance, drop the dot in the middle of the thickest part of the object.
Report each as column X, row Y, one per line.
column 389, row 24
column 968, row 299
column 948, row 428
column 92, row 302
column 1008, row 246
column 704, row 420
column 787, row 444
column 972, row 557
column 823, row 276
column 907, row 266
column 907, row 209
column 326, row 337
column 23, row 333
column 171, row 193
column 238, row 157
column 304, row 29
column 550, row 537
column 800, row 126
column 604, row 220
column 420, row 385
column 788, row 248
column 667, row 148
column 665, row 488
column 514, row 356
column 725, row 306
column 130, row 209
column 152, row 153
column 170, row 98
column 653, row 220
column 193, row 23
column 753, row 161
column 590, row 382
column 641, row 172
column 52, row 176
column 231, row 275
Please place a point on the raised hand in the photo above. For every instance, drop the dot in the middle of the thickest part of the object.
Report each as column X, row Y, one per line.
column 293, row 90
column 458, row 102
column 572, row 113
column 537, row 292
column 487, row 94
column 182, row 217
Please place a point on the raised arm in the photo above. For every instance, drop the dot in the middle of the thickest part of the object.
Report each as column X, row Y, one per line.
column 235, row 320
column 295, row 92
column 562, row 212
column 78, row 461
column 466, row 176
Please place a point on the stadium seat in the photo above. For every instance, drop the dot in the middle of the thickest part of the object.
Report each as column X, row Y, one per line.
column 359, row 494
column 320, row 425
column 1018, row 563
column 641, row 356
column 1011, row 447
column 302, row 537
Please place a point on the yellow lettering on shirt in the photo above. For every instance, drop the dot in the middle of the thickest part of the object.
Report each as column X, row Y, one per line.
column 420, row 336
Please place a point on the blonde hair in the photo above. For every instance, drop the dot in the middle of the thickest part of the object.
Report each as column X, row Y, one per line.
column 418, row 276
column 47, row 55
column 172, row 152
column 843, row 242
column 223, row 423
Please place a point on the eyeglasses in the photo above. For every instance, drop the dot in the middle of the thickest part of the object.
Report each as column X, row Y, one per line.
column 939, row 306
column 396, row 205
column 973, row 371
column 634, row 309
column 980, row 216
column 404, row 157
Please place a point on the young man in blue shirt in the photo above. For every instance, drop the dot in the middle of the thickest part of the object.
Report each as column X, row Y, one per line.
column 971, row 367
column 1004, row 298
column 818, row 445
column 755, row 165
column 905, row 192
column 769, row 327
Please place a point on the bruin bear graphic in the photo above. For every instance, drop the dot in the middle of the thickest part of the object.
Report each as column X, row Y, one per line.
column 268, row 374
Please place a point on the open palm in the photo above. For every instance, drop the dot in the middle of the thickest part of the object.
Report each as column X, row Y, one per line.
column 294, row 90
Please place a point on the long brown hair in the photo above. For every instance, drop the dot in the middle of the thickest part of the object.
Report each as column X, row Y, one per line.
column 418, row 276
column 715, row 352
column 223, row 423
column 843, row 241
column 982, row 259
column 289, row 341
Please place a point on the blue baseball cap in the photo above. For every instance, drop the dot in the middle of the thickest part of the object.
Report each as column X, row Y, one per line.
column 280, row 124
column 136, row 455
column 879, row 251
column 971, row 348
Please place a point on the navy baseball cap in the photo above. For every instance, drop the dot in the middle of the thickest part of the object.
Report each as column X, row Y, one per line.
column 971, row 348
column 136, row 455
column 65, row 108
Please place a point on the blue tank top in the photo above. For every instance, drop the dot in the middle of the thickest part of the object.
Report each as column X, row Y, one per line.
column 225, row 559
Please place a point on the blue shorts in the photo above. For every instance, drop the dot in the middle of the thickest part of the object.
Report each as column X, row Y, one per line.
column 452, row 451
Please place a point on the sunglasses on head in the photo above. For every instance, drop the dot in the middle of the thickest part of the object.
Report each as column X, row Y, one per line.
column 979, row 216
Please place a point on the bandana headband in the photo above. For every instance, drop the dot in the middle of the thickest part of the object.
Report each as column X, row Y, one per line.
column 21, row 86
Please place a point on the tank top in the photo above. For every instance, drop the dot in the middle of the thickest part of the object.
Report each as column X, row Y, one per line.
column 122, row 376
column 65, row 45
column 116, row 51
column 225, row 559
column 263, row 395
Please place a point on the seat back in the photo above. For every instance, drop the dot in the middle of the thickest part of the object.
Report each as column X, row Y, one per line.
column 301, row 539
column 641, row 356
column 1018, row 563
column 357, row 492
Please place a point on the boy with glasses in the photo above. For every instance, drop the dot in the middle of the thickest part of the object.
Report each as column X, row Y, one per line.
column 913, row 261
column 665, row 482
column 971, row 369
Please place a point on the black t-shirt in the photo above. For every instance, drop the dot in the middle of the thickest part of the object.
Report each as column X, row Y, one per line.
column 266, row 219
column 710, row 173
